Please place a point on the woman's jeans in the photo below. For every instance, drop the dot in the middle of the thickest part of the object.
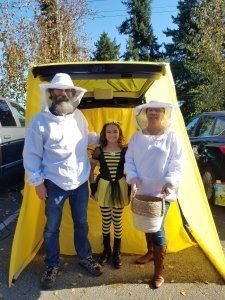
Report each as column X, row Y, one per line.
column 159, row 238
column 78, row 199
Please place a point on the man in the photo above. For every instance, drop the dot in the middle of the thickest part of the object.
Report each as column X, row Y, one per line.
column 55, row 158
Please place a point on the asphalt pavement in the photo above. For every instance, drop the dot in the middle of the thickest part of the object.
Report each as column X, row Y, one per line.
column 188, row 273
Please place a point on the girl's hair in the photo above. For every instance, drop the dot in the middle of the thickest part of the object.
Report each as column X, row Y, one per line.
column 103, row 140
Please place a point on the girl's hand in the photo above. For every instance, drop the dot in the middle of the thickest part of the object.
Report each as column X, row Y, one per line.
column 135, row 184
column 95, row 197
column 167, row 189
column 41, row 191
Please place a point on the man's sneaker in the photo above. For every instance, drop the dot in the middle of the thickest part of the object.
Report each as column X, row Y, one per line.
column 49, row 277
column 91, row 265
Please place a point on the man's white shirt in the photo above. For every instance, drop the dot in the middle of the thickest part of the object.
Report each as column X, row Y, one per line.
column 56, row 149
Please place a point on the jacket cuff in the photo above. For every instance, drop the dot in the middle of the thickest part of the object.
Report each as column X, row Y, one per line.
column 172, row 181
column 35, row 181
column 130, row 176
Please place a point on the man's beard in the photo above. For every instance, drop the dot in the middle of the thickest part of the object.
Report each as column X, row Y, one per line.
column 63, row 105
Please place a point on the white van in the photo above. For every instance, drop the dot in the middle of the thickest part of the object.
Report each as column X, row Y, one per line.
column 12, row 134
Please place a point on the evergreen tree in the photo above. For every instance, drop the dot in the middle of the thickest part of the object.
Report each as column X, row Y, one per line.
column 142, row 44
column 207, row 60
column 106, row 49
column 177, row 51
column 197, row 55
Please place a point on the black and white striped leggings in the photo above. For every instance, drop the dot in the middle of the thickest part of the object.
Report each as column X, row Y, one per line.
column 109, row 215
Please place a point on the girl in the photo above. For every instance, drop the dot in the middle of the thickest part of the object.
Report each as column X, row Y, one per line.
column 110, row 188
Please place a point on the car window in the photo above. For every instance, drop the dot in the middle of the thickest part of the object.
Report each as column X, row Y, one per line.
column 20, row 112
column 205, row 126
column 6, row 117
column 219, row 128
column 192, row 126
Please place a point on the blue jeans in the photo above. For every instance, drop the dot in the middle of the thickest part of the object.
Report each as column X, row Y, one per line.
column 159, row 238
column 78, row 199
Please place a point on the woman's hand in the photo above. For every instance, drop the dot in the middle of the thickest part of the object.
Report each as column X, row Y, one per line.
column 167, row 189
column 135, row 184
column 41, row 191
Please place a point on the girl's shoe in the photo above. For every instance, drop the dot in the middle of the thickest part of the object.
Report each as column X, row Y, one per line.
column 104, row 257
column 116, row 253
column 106, row 254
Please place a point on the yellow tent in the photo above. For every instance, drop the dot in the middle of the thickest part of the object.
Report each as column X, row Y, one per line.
column 114, row 88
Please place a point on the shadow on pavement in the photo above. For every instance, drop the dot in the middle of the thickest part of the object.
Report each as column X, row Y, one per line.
column 218, row 213
column 187, row 266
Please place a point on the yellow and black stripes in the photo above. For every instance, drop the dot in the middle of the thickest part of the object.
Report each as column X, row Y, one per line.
column 117, row 222
column 112, row 161
column 112, row 214
column 106, row 219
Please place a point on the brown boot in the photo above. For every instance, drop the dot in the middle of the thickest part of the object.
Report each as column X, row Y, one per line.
column 159, row 254
column 149, row 255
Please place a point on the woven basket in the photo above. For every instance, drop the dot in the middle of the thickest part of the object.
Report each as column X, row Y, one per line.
column 147, row 212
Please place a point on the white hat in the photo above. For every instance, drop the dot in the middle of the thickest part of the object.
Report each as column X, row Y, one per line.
column 141, row 118
column 61, row 81
column 153, row 104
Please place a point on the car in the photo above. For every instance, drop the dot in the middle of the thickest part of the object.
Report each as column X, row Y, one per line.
column 207, row 136
column 12, row 135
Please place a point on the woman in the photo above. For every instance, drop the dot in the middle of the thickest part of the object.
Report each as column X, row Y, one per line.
column 153, row 166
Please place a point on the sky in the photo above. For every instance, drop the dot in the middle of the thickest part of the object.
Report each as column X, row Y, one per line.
column 111, row 13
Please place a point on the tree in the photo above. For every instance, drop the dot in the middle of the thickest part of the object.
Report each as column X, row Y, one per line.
column 207, row 59
column 38, row 32
column 142, row 43
column 177, row 51
column 106, row 49
column 17, row 34
column 60, row 23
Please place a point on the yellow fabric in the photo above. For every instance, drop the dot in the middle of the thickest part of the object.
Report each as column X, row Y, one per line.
column 104, row 193
column 104, row 186
column 192, row 199
column 103, row 93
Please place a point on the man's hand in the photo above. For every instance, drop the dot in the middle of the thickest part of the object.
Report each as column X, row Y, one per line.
column 95, row 197
column 41, row 191
column 135, row 184
column 167, row 189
